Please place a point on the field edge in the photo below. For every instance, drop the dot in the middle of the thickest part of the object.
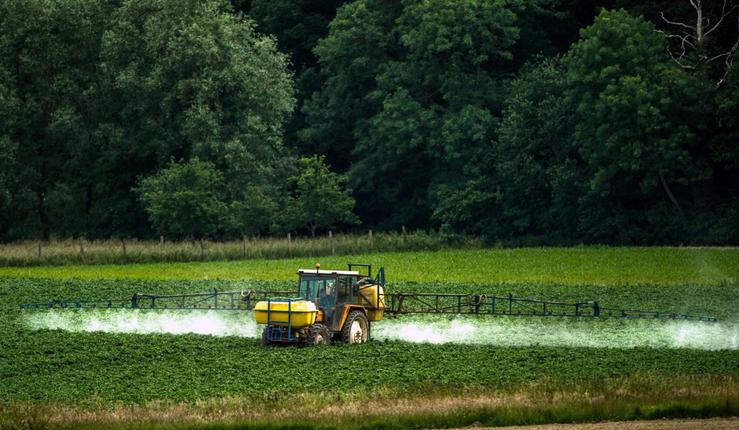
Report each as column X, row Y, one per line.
column 621, row 399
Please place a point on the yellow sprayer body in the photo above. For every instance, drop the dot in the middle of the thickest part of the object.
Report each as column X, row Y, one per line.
column 301, row 313
column 373, row 297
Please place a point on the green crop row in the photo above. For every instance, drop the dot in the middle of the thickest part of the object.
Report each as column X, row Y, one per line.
column 571, row 266
column 85, row 368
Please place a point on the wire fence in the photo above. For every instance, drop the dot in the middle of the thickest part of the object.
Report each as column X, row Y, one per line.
column 127, row 250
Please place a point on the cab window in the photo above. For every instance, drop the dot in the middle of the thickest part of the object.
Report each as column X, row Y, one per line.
column 346, row 288
column 308, row 289
column 311, row 288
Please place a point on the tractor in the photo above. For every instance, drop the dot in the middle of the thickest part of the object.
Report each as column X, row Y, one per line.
column 331, row 305
column 340, row 305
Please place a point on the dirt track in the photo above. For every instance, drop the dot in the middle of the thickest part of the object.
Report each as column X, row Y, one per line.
column 708, row 424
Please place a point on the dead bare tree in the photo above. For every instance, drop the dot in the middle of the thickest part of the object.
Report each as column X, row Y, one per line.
column 693, row 37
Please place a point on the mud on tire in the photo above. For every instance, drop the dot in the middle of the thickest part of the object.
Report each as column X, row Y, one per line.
column 356, row 328
column 318, row 335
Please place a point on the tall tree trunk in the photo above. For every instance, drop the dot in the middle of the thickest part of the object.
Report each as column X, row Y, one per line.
column 43, row 219
column 670, row 195
column 43, row 216
column 87, row 208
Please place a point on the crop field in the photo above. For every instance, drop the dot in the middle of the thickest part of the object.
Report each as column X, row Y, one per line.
column 584, row 265
column 98, row 368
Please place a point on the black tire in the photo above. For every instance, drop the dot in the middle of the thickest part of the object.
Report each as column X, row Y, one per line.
column 356, row 328
column 265, row 341
column 318, row 335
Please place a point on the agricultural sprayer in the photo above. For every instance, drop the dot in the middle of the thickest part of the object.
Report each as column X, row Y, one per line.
column 341, row 305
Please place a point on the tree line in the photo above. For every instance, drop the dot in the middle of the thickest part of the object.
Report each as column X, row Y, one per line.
column 525, row 122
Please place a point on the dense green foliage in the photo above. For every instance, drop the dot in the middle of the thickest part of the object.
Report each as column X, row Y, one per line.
column 297, row 25
column 185, row 199
column 105, row 94
column 611, row 143
column 415, row 100
column 320, row 200
column 541, row 122
column 110, row 365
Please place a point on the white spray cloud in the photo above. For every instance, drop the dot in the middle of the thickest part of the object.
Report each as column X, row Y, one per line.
column 432, row 329
column 561, row 332
column 214, row 323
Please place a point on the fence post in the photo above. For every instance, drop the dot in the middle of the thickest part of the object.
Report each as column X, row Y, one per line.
column 161, row 244
column 289, row 245
column 202, row 249
column 370, row 239
column 254, row 240
column 82, row 248
column 243, row 246
column 402, row 228
column 331, row 239
column 39, row 249
column 123, row 244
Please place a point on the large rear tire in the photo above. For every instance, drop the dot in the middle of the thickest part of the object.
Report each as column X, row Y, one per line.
column 356, row 328
column 318, row 335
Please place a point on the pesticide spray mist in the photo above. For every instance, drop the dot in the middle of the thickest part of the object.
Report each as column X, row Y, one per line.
column 422, row 329
column 213, row 323
column 564, row 332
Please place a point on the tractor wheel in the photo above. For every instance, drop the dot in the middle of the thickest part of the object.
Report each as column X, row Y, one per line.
column 356, row 328
column 318, row 335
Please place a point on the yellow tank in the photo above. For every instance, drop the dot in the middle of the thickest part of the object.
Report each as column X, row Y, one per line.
column 302, row 313
column 372, row 296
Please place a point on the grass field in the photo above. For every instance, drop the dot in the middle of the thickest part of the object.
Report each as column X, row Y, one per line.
column 587, row 265
column 528, row 371
column 127, row 251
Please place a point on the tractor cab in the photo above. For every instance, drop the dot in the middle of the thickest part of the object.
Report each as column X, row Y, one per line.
column 331, row 305
column 331, row 291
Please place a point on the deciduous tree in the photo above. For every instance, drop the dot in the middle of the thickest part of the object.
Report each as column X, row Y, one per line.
column 185, row 199
column 320, row 199
column 639, row 121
